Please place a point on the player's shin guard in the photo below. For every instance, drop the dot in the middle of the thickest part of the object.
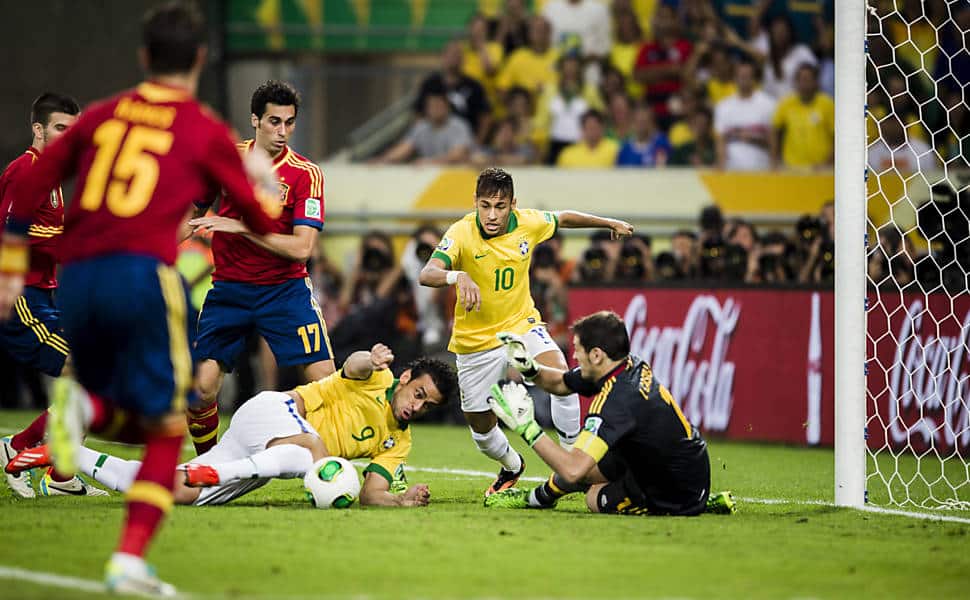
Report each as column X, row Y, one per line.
column 149, row 497
column 565, row 417
column 546, row 495
column 284, row 461
column 32, row 435
column 496, row 446
column 204, row 427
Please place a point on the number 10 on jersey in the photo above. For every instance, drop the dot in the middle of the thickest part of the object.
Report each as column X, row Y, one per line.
column 504, row 278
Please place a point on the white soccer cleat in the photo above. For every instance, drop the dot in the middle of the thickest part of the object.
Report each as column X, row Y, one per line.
column 72, row 487
column 129, row 574
column 21, row 483
column 65, row 424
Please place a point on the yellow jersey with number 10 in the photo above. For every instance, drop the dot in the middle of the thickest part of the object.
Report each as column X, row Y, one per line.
column 499, row 265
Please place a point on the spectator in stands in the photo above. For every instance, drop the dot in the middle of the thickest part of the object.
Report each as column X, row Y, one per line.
column 626, row 47
column 611, row 83
column 512, row 28
column 711, row 65
column 465, row 95
column 660, row 64
column 647, row 146
column 743, row 125
column 430, row 302
column 782, row 55
column 481, row 57
column 594, row 150
column 683, row 106
column 805, row 124
column 563, row 107
column 328, row 282
column 893, row 151
column 953, row 141
column 635, row 264
column 548, row 279
column 504, row 148
column 519, row 108
column 825, row 51
column 684, row 250
column 620, row 122
column 379, row 303
column 585, row 23
column 701, row 150
column 438, row 138
column 532, row 67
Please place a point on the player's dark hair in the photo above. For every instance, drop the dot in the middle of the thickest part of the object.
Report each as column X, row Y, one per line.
column 494, row 181
column 49, row 103
column 442, row 374
column 172, row 35
column 604, row 330
column 274, row 92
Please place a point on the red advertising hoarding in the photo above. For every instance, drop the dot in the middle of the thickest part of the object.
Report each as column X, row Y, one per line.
column 758, row 364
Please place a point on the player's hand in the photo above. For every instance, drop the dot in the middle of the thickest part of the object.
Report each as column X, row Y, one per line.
column 513, row 405
column 468, row 293
column 620, row 229
column 11, row 287
column 518, row 355
column 381, row 357
column 416, row 495
column 222, row 224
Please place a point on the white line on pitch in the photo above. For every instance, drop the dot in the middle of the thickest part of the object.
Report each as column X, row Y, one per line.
column 52, row 580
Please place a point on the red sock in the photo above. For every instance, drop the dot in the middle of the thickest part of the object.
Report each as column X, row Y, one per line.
column 101, row 412
column 203, row 427
column 32, row 435
column 150, row 495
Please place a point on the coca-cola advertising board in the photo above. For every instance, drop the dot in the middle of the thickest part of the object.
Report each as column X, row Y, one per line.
column 758, row 364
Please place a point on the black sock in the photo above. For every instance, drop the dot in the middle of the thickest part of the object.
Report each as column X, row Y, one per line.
column 552, row 490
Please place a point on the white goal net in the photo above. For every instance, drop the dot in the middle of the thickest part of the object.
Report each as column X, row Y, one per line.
column 918, row 253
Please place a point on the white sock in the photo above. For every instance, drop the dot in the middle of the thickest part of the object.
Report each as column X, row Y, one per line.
column 110, row 471
column 284, row 461
column 565, row 417
column 496, row 446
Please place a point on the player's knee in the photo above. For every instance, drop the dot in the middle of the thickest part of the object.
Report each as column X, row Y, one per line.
column 208, row 381
column 592, row 498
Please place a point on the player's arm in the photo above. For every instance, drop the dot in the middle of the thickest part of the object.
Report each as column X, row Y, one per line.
column 513, row 406
column 225, row 169
column 362, row 364
column 553, row 380
column 376, row 492
column 437, row 274
column 571, row 219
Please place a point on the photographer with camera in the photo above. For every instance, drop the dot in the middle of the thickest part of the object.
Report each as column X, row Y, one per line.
column 431, row 302
column 635, row 263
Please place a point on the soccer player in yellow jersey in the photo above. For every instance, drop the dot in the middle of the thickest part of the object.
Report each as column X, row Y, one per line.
column 487, row 255
column 360, row 411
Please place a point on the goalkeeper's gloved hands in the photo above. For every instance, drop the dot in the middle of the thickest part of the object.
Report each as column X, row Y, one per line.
column 517, row 354
column 512, row 404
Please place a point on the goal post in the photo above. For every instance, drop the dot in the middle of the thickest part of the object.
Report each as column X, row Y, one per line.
column 850, row 252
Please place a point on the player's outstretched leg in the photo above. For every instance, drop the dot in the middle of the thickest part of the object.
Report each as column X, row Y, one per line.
column 495, row 445
column 285, row 460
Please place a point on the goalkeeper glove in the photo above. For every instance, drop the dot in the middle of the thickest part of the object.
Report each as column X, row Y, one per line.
column 512, row 404
column 518, row 356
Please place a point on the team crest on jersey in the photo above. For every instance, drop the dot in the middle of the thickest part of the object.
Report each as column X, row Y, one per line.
column 389, row 443
column 445, row 244
column 284, row 190
column 524, row 247
column 593, row 424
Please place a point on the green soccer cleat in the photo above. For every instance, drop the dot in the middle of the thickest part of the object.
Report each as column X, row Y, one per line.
column 65, row 424
column 508, row 498
column 722, row 503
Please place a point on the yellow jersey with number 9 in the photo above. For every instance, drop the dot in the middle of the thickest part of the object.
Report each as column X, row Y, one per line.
column 499, row 265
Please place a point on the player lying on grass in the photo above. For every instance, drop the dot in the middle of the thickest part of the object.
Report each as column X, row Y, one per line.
column 359, row 411
column 637, row 453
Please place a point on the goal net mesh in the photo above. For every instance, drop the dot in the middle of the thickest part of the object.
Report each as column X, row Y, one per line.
column 918, row 253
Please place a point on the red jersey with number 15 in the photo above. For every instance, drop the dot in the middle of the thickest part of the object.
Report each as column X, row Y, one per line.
column 300, row 203
column 142, row 159
column 48, row 222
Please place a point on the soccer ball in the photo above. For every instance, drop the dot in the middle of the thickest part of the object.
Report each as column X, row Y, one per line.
column 332, row 482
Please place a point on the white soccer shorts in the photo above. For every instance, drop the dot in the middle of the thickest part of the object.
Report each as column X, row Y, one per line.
column 261, row 419
column 479, row 370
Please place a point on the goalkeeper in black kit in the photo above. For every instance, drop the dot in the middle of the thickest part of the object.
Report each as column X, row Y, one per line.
column 637, row 454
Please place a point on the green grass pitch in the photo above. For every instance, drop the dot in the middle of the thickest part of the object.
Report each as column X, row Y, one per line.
column 787, row 540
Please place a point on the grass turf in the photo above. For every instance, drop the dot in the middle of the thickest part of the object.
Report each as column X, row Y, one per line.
column 271, row 544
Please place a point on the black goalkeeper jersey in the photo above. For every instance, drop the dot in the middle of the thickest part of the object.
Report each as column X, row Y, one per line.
column 634, row 418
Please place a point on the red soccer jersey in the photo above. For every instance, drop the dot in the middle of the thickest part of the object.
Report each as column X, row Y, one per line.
column 141, row 158
column 300, row 203
column 47, row 226
column 655, row 54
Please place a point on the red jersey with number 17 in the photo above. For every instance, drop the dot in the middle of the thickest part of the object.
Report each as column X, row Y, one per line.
column 300, row 203
column 142, row 158
column 48, row 222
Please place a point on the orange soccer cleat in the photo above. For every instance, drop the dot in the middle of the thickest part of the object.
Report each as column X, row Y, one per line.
column 199, row 475
column 30, row 458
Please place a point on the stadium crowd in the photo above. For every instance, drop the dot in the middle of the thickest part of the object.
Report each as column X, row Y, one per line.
column 738, row 85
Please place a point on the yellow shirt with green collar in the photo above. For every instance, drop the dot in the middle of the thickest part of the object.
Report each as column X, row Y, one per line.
column 499, row 265
column 355, row 420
